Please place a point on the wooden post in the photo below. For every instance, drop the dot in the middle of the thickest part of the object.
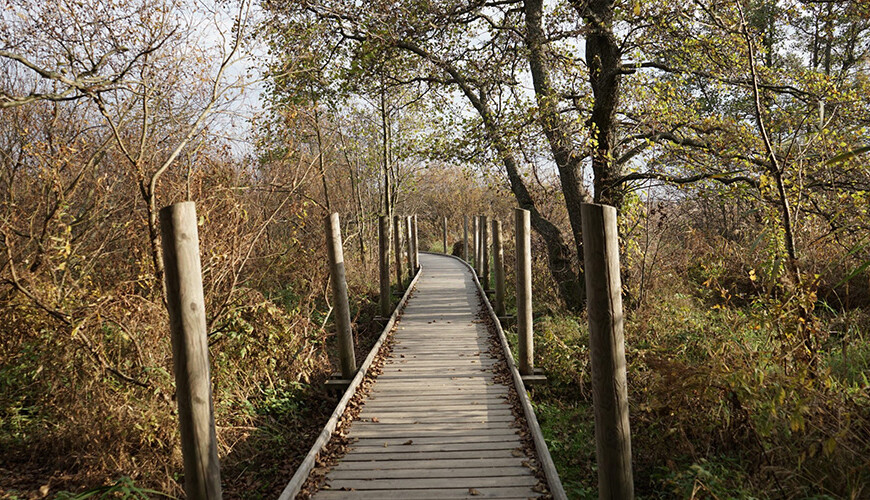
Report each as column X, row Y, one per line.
column 186, row 305
column 465, row 238
column 416, row 243
column 409, row 246
column 484, row 253
column 384, row 262
column 397, row 248
column 339, row 296
column 446, row 250
column 607, row 351
column 498, row 261
column 476, row 237
column 526, row 346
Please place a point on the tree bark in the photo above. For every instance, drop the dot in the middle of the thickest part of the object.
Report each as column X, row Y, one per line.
column 558, row 131
column 603, row 57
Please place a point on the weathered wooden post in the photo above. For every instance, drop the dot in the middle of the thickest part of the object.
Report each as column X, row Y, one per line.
column 397, row 248
column 446, row 250
column 498, row 262
column 526, row 346
column 384, row 262
column 416, row 243
column 186, row 305
column 465, row 238
column 409, row 247
column 484, row 253
column 339, row 296
column 476, row 237
column 607, row 351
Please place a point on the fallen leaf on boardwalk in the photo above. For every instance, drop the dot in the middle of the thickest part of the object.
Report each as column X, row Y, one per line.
column 385, row 445
column 540, row 488
column 472, row 491
column 375, row 419
column 516, row 453
column 406, row 443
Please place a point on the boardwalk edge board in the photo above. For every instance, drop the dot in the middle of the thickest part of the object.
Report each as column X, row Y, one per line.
column 298, row 480
column 553, row 480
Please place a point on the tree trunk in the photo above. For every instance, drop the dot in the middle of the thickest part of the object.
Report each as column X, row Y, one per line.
column 603, row 57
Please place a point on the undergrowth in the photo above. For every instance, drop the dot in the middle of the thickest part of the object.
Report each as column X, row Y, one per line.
column 717, row 409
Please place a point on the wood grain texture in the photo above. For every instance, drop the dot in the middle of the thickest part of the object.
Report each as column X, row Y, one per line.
column 385, row 297
column 338, row 282
column 186, row 305
column 415, row 242
column 484, row 237
column 525, row 346
column 409, row 247
column 607, row 351
column 397, row 249
column 498, row 265
column 465, row 237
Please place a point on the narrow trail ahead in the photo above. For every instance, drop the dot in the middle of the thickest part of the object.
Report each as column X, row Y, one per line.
column 437, row 423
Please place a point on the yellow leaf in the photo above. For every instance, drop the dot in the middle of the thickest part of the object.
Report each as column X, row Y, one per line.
column 829, row 446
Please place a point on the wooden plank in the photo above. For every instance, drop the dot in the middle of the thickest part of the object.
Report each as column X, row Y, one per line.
column 388, row 454
column 383, row 433
column 498, row 390
column 475, row 438
column 432, row 494
column 458, row 396
column 416, row 448
column 457, row 362
column 414, row 410
column 426, row 473
column 426, row 418
column 431, row 464
column 410, row 427
column 440, row 409
column 389, row 376
column 423, row 484
column 443, row 400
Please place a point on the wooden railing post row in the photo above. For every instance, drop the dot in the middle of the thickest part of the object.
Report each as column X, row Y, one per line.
column 465, row 238
column 338, row 281
column 446, row 251
column 397, row 248
column 186, row 305
column 484, row 255
column 409, row 246
column 415, row 243
column 607, row 351
column 498, row 262
column 525, row 347
column 384, row 264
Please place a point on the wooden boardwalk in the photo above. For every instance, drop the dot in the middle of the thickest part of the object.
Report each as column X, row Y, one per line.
column 436, row 424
